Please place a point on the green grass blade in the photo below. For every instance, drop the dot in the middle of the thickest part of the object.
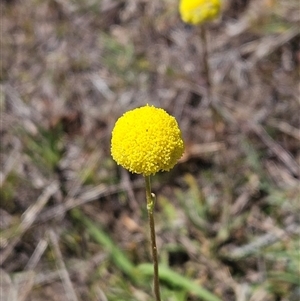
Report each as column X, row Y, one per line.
column 176, row 279
column 95, row 231
column 143, row 270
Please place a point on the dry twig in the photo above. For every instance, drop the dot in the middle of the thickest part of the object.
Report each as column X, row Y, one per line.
column 28, row 219
column 63, row 272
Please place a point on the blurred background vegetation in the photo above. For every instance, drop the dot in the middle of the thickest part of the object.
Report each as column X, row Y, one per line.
column 74, row 225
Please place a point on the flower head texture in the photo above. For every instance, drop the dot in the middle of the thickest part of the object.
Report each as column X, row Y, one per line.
column 199, row 11
column 146, row 140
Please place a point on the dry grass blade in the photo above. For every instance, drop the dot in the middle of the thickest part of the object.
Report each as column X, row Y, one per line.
column 64, row 275
column 281, row 176
column 88, row 196
column 7, row 289
column 10, row 162
column 21, row 110
column 275, row 148
column 270, row 44
column 261, row 242
column 278, row 150
column 37, row 254
column 285, row 128
column 85, row 268
column 256, row 11
column 16, row 289
column 197, row 150
column 100, row 294
column 23, row 283
column 28, row 219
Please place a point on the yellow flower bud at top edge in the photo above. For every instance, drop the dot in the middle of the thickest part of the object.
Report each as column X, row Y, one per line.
column 199, row 11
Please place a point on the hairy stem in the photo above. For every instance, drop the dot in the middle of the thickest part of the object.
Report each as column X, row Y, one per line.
column 150, row 207
column 208, row 76
column 203, row 36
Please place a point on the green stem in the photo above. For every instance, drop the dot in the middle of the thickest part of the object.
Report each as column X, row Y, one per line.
column 207, row 72
column 217, row 118
column 203, row 35
column 150, row 207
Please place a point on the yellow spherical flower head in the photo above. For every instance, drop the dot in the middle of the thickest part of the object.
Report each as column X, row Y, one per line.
column 146, row 140
column 199, row 11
